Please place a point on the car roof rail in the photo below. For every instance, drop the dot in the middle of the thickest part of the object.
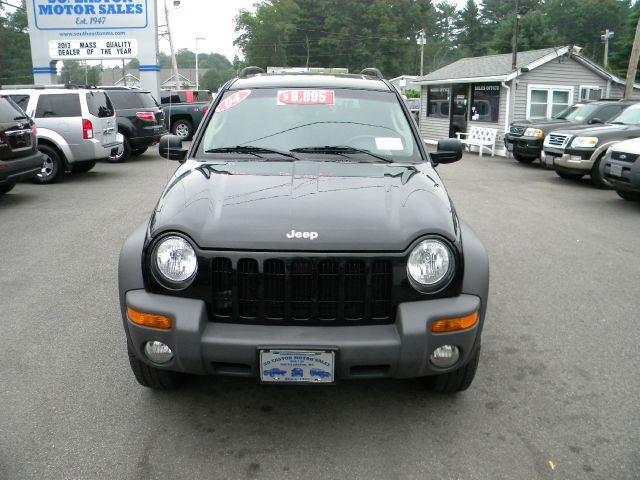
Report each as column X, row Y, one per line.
column 247, row 72
column 372, row 72
column 39, row 87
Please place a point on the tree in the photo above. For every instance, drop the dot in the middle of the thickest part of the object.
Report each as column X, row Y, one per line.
column 470, row 34
column 79, row 73
column 15, row 50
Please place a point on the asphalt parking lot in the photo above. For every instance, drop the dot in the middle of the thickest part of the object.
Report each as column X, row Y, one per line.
column 556, row 395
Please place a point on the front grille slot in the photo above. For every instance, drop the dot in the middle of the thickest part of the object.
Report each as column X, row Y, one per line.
column 303, row 291
column 517, row 130
column 558, row 140
column 624, row 157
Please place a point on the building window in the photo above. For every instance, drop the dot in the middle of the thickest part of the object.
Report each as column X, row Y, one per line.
column 485, row 102
column 438, row 102
column 590, row 92
column 545, row 102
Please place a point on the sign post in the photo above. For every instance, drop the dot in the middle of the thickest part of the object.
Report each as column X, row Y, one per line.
column 90, row 30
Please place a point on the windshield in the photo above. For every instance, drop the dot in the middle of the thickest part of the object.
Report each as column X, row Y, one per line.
column 576, row 113
column 630, row 116
column 310, row 121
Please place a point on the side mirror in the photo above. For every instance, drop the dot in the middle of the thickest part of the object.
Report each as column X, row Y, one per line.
column 170, row 147
column 595, row 120
column 449, row 150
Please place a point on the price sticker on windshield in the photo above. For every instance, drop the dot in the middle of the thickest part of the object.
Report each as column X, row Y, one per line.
column 233, row 100
column 305, row 97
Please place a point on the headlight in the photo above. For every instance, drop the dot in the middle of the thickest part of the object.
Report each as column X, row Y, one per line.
column 431, row 265
column 582, row 142
column 174, row 259
column 533, row 132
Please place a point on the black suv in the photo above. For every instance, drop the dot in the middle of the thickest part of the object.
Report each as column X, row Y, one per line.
column 140, row 120
column 525, row 138
column 306, row 238
column 19, row 155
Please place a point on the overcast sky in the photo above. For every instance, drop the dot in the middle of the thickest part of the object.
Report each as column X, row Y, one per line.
column 212, row 19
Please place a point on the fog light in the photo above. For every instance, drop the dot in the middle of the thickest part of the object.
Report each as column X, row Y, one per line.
column 445, row 356
column 158, row 352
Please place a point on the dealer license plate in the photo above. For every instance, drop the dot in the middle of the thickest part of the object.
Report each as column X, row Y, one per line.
column 616, row 170
column 297, row 366
column 549, row 160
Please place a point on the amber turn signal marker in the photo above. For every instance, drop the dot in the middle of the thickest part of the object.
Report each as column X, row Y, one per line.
column 454, row 324
column 149, row 319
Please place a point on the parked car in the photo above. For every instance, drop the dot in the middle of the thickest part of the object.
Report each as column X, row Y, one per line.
column 19, row 156
column 140, row 120
column 621, row 168
column 76, row 127
column 184, row 110
column 574, row 153
column 525, row 138
column 307, row 214
column 414, row 108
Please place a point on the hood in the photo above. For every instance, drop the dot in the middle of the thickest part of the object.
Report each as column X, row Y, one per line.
column 541, row 124
column 595, row 131
column 305, row 205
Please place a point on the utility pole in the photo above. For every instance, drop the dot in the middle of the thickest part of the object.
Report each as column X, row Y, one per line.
column 174, row 64
column 605, row 38
column 197, row 74
column 514, row 40
column 421, row 40
column 124, row 74
column 633, row 63
column 306, row 37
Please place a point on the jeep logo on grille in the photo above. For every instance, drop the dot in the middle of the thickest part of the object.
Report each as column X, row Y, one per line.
column 309, row 235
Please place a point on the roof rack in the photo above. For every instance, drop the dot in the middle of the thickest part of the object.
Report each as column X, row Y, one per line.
column 250, row 72
column 39, row 87
column 372, row 72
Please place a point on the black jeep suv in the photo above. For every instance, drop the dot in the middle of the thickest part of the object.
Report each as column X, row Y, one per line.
column 525, row 138
column 140, row 120
column 19, row 155
column 306, row 238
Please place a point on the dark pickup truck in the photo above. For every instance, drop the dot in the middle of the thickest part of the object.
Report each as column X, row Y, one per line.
column 525, row 138
column 184, row 110
column 574, row 153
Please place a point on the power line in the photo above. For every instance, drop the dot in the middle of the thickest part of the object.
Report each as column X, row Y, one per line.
column 13, row 6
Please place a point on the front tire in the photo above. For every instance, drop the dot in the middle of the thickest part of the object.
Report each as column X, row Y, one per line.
column 569, row 175
column 52, row 166
column 629, row 196
column 152, row 377
column 524, row 158
column 458, row 380
column 182, row 128
column 6, row 188
column 596, row 176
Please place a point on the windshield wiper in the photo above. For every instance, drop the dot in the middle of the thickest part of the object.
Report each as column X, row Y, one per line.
column 21, row 117
column 617, row 123
column 251, row 150
column 339, row 150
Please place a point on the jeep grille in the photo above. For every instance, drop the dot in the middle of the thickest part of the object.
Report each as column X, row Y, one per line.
column 303, row 291
column 517, row 130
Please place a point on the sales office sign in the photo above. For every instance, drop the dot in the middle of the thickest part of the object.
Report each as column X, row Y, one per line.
column 93, row 48
column 90, row 14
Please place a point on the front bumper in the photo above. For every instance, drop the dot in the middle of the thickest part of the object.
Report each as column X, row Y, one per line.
column 527, row 146
column 18, row 169
column 398, row 350
column 628, row 179
column 569, row 160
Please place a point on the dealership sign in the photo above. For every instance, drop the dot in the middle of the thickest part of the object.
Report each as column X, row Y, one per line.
column 93, row 14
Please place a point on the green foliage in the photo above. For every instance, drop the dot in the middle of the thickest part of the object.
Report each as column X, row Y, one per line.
column 15, row 49
column 79, row 73
column 412, row 93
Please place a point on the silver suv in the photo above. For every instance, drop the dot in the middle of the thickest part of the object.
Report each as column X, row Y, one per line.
column 76, row 127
